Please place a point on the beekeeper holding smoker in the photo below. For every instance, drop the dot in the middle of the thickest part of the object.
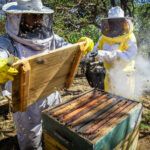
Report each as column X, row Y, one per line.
column 117, row 49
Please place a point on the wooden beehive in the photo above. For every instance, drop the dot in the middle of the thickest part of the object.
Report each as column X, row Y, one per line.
column 94, row 121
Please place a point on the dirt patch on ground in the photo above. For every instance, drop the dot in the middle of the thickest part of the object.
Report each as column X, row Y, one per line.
column 79, row 86
column 8, row 140
column 144, row 139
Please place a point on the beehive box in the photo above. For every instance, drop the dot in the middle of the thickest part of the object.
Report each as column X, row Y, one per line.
column 95, row 120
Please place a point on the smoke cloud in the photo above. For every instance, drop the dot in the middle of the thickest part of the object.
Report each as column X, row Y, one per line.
column 131, row 85
column 142, row 75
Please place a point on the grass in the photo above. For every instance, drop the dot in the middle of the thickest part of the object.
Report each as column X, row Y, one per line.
column 2, row 134
column 147, row 117
column 144, row 126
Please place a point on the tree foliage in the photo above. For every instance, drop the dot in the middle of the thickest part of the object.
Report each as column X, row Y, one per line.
column 142, row 24
column 76, row 18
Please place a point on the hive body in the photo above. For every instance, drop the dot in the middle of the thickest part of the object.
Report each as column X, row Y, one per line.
column 93, row 121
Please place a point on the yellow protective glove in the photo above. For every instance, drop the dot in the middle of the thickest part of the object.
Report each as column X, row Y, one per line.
column 88, row 46
column 6, row 72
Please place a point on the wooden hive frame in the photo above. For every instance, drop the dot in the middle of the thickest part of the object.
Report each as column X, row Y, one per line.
column 42, row 74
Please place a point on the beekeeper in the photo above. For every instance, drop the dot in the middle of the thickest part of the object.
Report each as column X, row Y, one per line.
column 29, row 32
column 117, row 49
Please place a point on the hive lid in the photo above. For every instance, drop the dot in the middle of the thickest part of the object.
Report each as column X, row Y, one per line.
column 42, row 74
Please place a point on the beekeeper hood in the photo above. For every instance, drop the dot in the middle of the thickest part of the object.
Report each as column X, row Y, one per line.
column 116, row 24
column 30, row 23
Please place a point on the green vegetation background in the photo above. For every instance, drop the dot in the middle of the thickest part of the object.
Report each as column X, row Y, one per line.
column 76, row 18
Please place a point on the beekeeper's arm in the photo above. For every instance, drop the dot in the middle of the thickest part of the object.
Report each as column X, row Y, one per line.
column 60, row 41
column 89, row 44
column 109, row 56
column 6, row 71
column 129, row 53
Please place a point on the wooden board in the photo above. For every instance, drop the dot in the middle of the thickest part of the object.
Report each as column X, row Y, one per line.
column 129, row 143
column 52, row 144
column 42, row 74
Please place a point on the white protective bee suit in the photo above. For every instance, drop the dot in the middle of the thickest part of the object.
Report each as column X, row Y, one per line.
column 22, row 43
column 117, row 48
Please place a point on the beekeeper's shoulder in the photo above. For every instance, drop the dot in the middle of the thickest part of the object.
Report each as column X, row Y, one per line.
column 60, row 42
column 5, row 42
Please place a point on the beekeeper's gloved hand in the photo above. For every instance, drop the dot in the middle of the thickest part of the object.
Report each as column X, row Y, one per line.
column 88, row 46
column 106, row 56
column 6, row 71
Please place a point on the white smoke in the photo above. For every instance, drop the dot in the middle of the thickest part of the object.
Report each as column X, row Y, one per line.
column 142, row 75
column 123, row 85
column 120, row 82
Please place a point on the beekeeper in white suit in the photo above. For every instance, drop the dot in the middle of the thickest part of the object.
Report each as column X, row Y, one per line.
column 117, row 49
column 29, row 32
